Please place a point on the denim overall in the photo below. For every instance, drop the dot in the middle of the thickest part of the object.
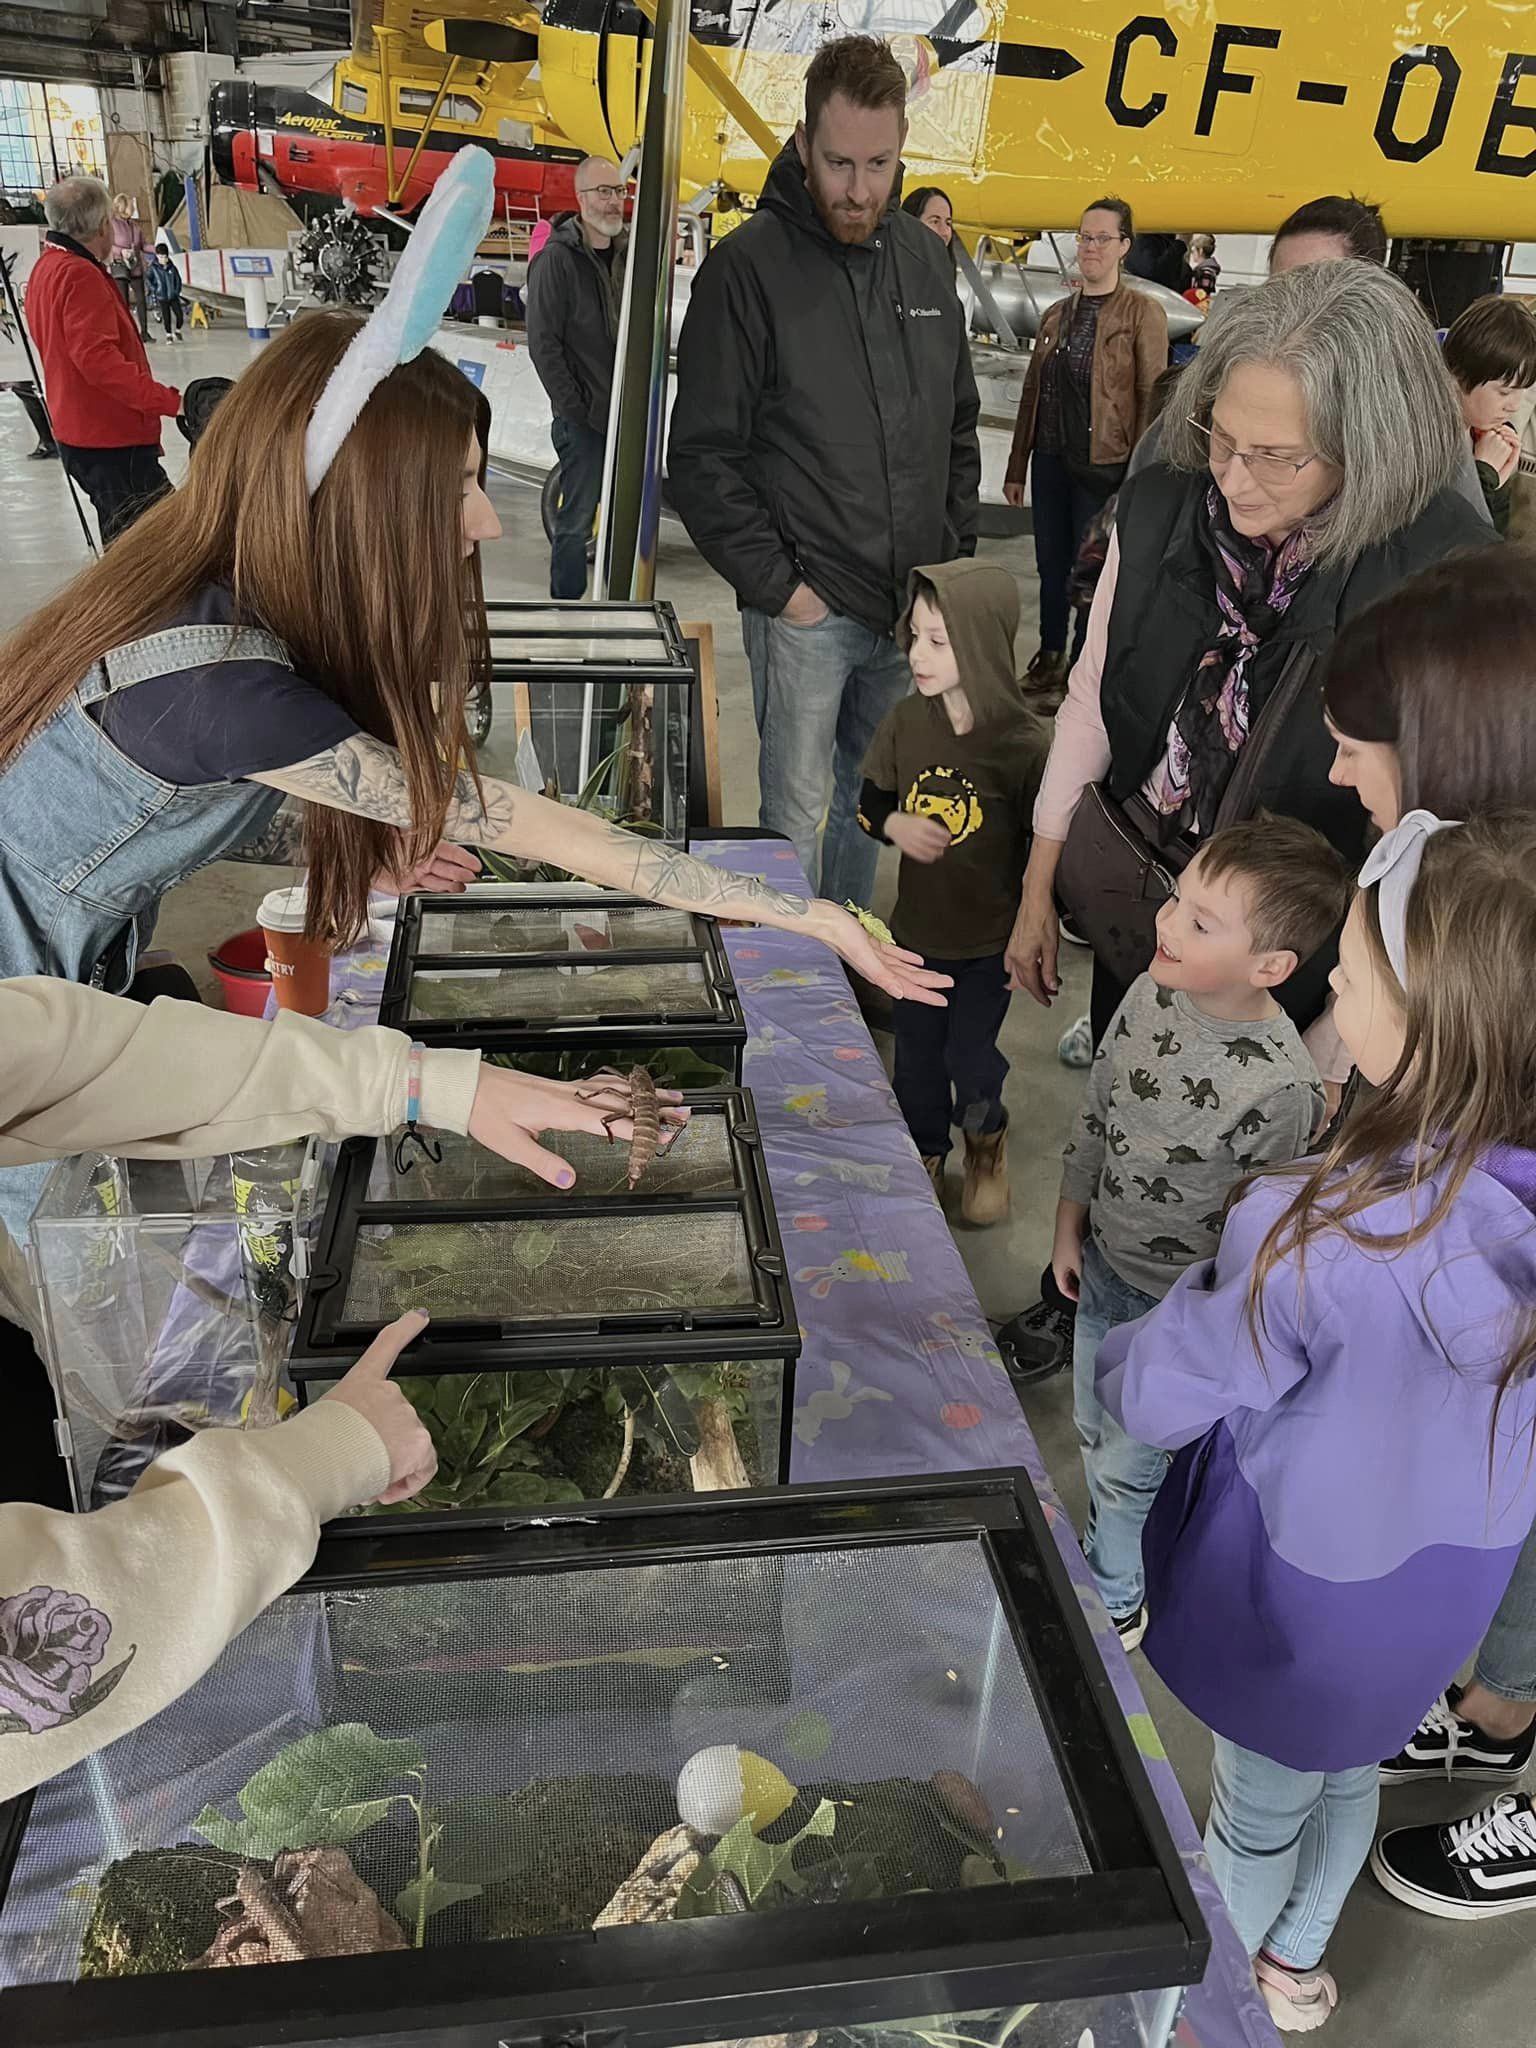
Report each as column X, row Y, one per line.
column 90, row 842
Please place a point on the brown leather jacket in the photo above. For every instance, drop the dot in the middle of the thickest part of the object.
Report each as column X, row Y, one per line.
column 1130, row 353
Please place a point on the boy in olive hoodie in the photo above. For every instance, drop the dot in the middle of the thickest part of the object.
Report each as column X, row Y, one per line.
column 950, row 780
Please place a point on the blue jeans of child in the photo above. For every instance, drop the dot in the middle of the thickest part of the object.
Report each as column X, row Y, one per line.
column 818, row 693
column 1123, row 1475
column 1506, row 1663
column 948, row 1066
column 580, row 449
column 1285, row 1847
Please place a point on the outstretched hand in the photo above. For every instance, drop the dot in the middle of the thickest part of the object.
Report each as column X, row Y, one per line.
column 511, row 1111
column 367, row 1388
column 447, row 871
column 901, row 974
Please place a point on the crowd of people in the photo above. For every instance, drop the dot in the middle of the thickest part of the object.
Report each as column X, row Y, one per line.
column 1284, row 786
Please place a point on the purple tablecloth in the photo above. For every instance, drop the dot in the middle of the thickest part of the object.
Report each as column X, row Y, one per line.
column 899, row 1372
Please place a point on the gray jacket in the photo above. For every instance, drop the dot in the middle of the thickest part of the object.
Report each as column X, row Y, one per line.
column 573, row 301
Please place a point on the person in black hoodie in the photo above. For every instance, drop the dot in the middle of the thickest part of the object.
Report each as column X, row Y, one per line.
column 824, row 443
column 950, row 780
column 573, row 297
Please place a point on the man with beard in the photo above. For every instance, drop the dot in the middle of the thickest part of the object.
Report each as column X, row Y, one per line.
column 573, row 296
column 824, row 444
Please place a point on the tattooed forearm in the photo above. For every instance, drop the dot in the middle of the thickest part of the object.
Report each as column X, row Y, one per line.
column 367, row 777
column 281, row 845
column 669, row 876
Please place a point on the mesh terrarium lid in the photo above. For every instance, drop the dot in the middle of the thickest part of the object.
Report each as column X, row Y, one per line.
column 666, row 1250
column 795, row 1761
column 536, row 640
column 525, row 967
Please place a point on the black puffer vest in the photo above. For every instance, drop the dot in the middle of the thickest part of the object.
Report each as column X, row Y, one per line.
column 1164, row 617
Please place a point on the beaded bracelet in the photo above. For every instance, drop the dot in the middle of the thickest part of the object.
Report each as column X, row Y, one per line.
column 411, row 1136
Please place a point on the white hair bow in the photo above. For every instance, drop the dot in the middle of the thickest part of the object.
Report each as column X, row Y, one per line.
column 1392, row 865
column 448, row 230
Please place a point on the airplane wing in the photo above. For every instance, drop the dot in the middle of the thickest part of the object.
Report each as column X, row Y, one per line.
column 411, row 18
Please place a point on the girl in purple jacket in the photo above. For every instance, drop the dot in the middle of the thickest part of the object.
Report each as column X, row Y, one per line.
column 1348, row 1388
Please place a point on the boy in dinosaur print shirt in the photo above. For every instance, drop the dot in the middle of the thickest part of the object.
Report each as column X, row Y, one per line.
column 1201, row 1078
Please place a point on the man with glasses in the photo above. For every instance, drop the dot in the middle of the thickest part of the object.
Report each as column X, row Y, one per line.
column 573, row 296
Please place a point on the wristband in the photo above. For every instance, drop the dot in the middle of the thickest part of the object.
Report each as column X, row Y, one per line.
column 411, row 1141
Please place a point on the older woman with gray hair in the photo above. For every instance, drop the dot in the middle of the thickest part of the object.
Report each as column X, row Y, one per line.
column 1305, row 471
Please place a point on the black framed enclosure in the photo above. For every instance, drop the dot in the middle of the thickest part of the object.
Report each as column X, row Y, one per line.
column 686, row 1266
column 563, row 981
column 920, row 1799
column 604, row 700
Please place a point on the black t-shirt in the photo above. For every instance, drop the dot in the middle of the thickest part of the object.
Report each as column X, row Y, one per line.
column 223, row 722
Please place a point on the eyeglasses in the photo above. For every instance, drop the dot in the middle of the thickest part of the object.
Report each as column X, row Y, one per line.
column 611, row 192
column 1279, row 470
column 1097, row 241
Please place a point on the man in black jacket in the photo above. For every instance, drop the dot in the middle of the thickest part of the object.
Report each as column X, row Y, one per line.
column 824, row 444
column 573, row 293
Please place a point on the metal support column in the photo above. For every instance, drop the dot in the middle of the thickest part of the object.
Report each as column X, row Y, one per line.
column 626, row 548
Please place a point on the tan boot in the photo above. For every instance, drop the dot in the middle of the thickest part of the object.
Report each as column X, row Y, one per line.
column 934, row 1168
column 985, row 1198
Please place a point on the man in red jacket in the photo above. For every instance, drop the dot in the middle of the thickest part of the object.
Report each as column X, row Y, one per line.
column 106, row 407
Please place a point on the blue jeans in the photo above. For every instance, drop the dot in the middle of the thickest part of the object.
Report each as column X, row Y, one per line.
column 1285, row 1847
column 1506, row 1663
column 949, row 1069
column 1123, row 1475
column 1061, row 509
column 580, row 449
column 818, row 693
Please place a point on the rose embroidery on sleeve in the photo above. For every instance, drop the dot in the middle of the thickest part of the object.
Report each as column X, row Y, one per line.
column 50, row 1646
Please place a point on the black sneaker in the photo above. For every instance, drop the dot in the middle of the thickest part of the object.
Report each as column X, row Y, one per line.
column 1474, row 1869
column 1037, row 1344
column 1130, row 1628
column 1445, row 1746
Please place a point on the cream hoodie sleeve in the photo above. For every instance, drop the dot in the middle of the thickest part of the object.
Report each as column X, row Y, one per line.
column 86, row 1072
column 105, row 1618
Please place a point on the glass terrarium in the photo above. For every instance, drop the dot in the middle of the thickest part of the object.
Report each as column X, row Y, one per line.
column 595, row 704
column 623, row 1338
column 807, row 1763
column 167, row 1291
column 565, row 982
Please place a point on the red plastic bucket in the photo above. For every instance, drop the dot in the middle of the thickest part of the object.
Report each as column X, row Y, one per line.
column 241, row 965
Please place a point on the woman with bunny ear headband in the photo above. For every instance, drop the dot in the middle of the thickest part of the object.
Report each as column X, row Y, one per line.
column 304, row 618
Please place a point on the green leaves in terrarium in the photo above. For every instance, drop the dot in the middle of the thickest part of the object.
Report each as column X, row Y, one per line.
column 742, row 1872
column 479, row 1424
column 523, row 1439
column 319, row 1793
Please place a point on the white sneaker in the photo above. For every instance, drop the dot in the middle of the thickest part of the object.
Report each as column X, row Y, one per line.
column 1075, row 1046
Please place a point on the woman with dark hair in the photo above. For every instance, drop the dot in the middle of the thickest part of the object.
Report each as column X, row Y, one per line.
column 1328, row 230
column 930, row 205
column 1429, row 704
column 1083, row 409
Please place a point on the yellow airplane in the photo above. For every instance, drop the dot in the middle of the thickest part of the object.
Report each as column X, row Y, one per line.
column 1220, row 114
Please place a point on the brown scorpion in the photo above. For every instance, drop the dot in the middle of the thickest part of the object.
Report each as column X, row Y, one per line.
column 649, row 1113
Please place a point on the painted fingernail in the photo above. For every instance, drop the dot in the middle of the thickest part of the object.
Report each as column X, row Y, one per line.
column 565, row 1179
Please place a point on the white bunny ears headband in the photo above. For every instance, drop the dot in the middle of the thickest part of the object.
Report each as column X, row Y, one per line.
column 1393, row 864
column 448, row 230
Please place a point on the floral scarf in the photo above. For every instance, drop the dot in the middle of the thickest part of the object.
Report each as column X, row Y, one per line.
column 1255, row 583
